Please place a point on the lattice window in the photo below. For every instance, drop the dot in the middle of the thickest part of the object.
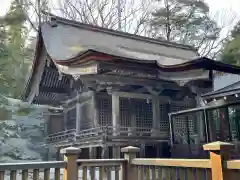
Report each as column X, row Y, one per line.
column 143, row 112
column 180, row 124
column 164, row 117
column 125, row 112
column 105, row 110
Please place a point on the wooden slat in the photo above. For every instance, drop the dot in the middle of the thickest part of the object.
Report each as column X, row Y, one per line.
column 141, row 175
column 13, row 175
column 109, row 174
column 154, row 177
column 182, row 173
column 199, row 174
column 84, row 173
column 92, row 173
column 116, row 173
column 24, row 174
column 147, row 169
column 47, row 174
column 173, row 173
column 159, row 170
column 190, row 175
column 57, row 174
column 101, row 173
column 36, row 174
column 166, row 173
column 208, row 174
column 2, row 175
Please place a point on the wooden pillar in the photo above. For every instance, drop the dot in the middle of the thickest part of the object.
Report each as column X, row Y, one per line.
column 237, row 122
column 95, row 110
column 212, row 125
column 156, row 116
column 92, row 152
column 58, row 157
column 219, row 152
column 116, row 152
column 225, row 132
column 105, row 152
column 133, row 122
column 115, row 114
column 70, row 156
column 78, row 117
column 130, row 171
column 92, row 155
column 65, row 117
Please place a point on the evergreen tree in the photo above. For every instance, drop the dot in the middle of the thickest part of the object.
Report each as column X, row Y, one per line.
column 13, row 42
column 231, row 50
column 186, row 22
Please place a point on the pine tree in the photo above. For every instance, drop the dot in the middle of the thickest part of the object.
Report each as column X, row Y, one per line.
column 231, row 50
column 184, row 21
column 13, row 63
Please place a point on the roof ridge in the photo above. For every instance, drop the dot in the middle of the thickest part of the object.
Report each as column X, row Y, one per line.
column 117, row 33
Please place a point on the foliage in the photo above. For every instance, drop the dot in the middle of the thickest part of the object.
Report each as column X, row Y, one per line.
column 231, row 50
column 185, row 21
column 14, row 53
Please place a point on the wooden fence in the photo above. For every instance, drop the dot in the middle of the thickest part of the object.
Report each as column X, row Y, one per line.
column 218, row 167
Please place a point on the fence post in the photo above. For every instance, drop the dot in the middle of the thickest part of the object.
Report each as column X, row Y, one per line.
column 219, row 152
column 129, row 172
column 71, row 169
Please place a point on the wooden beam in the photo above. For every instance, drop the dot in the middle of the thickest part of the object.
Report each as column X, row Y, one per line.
column 123, row 80
column 139, row 96
column 84, row 96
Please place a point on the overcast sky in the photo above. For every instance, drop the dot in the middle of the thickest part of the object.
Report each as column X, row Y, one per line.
column 215, row 6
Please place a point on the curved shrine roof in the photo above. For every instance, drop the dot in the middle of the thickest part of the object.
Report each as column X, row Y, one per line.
column 69, row 44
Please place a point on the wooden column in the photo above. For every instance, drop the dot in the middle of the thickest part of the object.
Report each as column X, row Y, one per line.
column 95, row 110
column 219, row 152
column 116, row 122
column 116, row 152
column 65, row 118
column 78, row 116
column 105, row 152
column 156, row 116
column 132, row 115
column 115, row 114
column 237, row 122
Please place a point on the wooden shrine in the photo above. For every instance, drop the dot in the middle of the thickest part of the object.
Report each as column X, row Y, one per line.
column 113, row 89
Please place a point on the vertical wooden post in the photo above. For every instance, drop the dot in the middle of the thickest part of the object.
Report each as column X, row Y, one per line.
column 129, row 172
column 219, row 152
column 71, row 169
column 96, row 110
column 115, row 114
column 156, row 116
column 78, row 116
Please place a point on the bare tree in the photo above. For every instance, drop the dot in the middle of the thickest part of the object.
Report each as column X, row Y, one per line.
column 124, row 15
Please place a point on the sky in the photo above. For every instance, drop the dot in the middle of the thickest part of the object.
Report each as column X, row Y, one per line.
column 216, row 6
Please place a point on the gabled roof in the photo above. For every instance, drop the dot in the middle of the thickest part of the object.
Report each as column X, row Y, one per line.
column 69, row 44
column 66, row 40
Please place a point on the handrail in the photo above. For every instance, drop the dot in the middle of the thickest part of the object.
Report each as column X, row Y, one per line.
column 32, row 165
column 100, row 162
column 191, row 163
column 232, row 164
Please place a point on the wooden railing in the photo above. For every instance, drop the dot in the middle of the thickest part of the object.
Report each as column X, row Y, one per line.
column 71, row 135
column 218, row 167
column 33, row 170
